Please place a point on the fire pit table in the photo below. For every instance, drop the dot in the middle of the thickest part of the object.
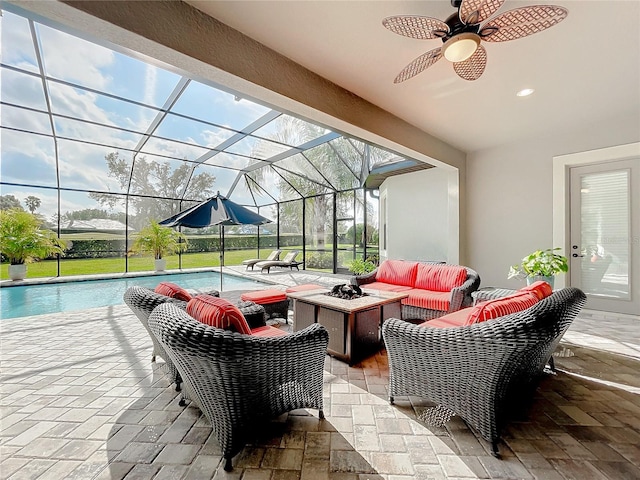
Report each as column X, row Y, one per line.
column 354, row 325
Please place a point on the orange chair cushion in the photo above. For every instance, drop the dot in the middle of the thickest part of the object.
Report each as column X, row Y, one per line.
column 499, row 307
column 540, row 288
column 172, row 290
column 439, row 278
column 218, row 312
column 455, row 319
column 428, row 299
column 268, row 331
column 397, row 272
column 262, row 297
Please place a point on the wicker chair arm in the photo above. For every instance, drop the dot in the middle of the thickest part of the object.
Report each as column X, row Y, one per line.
column 461, row 296
column 365, row 278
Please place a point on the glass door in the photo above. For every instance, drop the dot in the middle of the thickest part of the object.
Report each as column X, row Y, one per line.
column 605, row 238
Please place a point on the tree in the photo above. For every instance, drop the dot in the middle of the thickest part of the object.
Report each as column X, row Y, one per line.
column 8, row 202
column 155, row 189
column 326, row 168
column 32, row 203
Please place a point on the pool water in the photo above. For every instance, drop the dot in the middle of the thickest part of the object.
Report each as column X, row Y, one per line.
column 28, row 300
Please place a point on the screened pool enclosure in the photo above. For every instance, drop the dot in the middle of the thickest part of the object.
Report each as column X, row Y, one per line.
column 98, row 142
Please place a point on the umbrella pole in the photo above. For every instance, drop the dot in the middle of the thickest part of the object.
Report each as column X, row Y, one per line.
column 221, row 233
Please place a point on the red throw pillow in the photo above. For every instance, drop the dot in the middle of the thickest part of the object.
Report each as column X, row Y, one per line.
column 218, row 312
column 440, row 278
column 172, row 290
column 540, row 288
column 397, row 272
column 501, row 306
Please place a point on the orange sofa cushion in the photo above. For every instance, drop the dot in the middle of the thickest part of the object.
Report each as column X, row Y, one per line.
column 386, row 287
column 428, row 299
column 262, row 297
column 397, row 272
column 172, row 290
column 540, row 288
column 439, row 278
column 499, row 307
column 218, row 312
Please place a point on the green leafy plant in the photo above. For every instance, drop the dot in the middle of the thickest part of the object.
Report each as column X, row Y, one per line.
column 360, row 266
column 544, row 263
column 158, row 240
column 23, row 240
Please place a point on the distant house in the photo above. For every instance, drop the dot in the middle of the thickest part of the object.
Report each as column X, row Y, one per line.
column 98, row 225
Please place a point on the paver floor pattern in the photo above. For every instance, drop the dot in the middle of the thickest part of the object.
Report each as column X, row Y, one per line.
column 80, row 399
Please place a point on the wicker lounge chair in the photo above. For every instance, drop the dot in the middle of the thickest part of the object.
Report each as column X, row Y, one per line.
column 289, row 261
column 478, row 371
column 240, row 380
column 142, row 301
column 275, row 255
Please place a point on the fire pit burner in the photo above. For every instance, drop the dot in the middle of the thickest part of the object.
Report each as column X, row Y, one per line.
column 346, row 292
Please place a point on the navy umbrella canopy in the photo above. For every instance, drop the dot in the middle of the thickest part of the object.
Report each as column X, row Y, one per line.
column 217, row 210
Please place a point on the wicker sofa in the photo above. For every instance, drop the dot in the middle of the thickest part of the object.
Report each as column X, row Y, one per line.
column 434, row 288
column 481, row 370
column 240, row 380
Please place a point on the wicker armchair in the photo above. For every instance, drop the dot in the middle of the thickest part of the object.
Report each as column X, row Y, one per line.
column 240, row 380
column 142, row 301
column 476, row 371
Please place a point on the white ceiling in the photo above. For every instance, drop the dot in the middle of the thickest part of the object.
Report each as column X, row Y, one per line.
column 585, row 70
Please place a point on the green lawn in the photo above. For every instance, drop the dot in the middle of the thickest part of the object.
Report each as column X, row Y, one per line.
column 92, row 266
column 89, row 266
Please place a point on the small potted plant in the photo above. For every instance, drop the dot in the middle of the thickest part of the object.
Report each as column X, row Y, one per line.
column 360, row 266
column 158, row 240
column 540, row 265
column 23, row 240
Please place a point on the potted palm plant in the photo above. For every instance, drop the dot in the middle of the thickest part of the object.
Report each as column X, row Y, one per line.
column 158, row 240
column 23, row 241
column 540, row 265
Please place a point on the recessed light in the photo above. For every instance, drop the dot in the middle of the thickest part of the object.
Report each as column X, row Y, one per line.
column 525, row 92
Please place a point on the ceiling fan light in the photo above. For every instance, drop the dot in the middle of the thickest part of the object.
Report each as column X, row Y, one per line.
column 460, row 47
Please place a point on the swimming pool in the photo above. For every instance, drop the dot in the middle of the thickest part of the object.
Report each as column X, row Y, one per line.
column 28, row 300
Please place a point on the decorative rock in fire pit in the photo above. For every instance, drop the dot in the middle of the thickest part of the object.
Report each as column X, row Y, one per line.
column 346, row 292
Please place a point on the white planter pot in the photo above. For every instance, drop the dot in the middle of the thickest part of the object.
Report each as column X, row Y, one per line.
column 161, row 265
column 17, row 272
column 535, row 278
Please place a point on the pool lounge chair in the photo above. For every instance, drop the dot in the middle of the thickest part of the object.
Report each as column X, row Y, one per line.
column 275, row 255
column 289, row 260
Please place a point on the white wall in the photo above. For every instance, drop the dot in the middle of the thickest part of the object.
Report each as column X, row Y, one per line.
column 509, row 197
column 422, row 215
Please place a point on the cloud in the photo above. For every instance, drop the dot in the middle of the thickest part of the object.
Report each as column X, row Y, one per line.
column 75, row 60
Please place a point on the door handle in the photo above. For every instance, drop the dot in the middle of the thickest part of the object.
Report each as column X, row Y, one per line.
column 576, row 255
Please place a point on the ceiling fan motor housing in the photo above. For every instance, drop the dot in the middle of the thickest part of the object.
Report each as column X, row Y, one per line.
column 456, row 26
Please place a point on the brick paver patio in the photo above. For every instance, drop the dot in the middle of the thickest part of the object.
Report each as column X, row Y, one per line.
column 81, row 400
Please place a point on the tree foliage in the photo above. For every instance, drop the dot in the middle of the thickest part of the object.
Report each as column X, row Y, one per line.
column 8, row 202
column 32, row 203
column 319, row 172
column 23, row 240
column 155, row 188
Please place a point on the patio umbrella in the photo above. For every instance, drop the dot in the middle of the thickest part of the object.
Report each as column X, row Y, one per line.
column 217, row 210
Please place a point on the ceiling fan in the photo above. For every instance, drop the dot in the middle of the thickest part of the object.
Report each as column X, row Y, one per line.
column 462, row 33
